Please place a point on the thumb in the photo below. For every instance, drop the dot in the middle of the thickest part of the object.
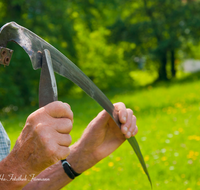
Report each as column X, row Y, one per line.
column 102, row 118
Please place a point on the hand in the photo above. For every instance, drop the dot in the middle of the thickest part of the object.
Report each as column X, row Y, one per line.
column 45, row 138
column 102, row 137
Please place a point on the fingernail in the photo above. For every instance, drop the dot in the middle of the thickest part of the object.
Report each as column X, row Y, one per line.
column 129, row 134
column 133, row 133
column 124, row 118
column 125, row 129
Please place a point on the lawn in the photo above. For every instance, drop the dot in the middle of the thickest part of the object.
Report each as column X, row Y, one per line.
column 168, row 118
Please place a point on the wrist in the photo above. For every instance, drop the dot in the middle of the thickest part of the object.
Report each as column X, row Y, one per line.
column 80, row 158
column 69, row 170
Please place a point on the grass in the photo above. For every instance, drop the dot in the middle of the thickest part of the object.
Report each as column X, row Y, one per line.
column 168, row 117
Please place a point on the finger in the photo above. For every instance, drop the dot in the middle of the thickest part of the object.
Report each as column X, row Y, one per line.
column 121, row 108
column 71, row 110
column 135, row 131
column 128, row 127
column 67, row 105
column 63, row 152
column 133, row 124
column 59, row 109
column 132, row 131
column 132, row 128
column 63, row 125
column 124, row 129
column 63, row 139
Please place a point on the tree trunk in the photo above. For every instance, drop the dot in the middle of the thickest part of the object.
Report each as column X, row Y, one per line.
column 173, row 69
column 162, row 69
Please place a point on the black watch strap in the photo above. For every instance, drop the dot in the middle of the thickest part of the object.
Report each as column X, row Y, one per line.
column 68, row 169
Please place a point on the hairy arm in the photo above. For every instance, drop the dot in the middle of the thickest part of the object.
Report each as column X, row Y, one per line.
column 100, row 139
column 43, row 142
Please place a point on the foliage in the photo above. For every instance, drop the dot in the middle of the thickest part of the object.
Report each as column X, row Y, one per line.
column 159, row 28
column 145, row 35
column 66, row 26
column 22, row 84
column 168, row 135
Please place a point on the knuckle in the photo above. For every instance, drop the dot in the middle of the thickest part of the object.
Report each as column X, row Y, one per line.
column 134, row 118
column 51, row 150
column 68, row 105
column 30, row 119
column 60, row 105
column 135, row 131
column 66, row 109
column 72, row 114
column 66, row 126
column 131, row 129
column 38, row 129
column 35, row 117
column 130, row 111
column 28, row 126
column 57, row 103
column 45, row 138
column 119, row 104
column 67, row 152
column 54, row 104
column 70, row 125
column 122, row 104
column 69, row 139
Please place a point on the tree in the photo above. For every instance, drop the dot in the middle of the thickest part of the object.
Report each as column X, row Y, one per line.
column 77, row 29
column 50, row 21
column 158, row 28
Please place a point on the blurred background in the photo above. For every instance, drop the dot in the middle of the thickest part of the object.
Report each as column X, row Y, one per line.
column 116, row 43
column 144, row 53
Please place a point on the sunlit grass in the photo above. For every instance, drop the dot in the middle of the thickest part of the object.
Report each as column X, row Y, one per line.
column 168, row 117
column 143, row 77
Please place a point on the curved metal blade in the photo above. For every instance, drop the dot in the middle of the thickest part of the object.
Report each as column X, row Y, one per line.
column 47, row 87
column 34, row 45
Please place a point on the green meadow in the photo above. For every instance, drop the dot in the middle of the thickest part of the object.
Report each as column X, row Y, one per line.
column 168, row 118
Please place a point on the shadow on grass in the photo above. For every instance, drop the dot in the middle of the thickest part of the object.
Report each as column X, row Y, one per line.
column 150, row 108
column 188, row 78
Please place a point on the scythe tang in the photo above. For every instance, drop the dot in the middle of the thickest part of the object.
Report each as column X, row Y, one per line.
column 34, row 46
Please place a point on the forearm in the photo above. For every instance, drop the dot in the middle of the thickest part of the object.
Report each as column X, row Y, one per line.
column 13, row 174
column 55, row 177
column 100, row 138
